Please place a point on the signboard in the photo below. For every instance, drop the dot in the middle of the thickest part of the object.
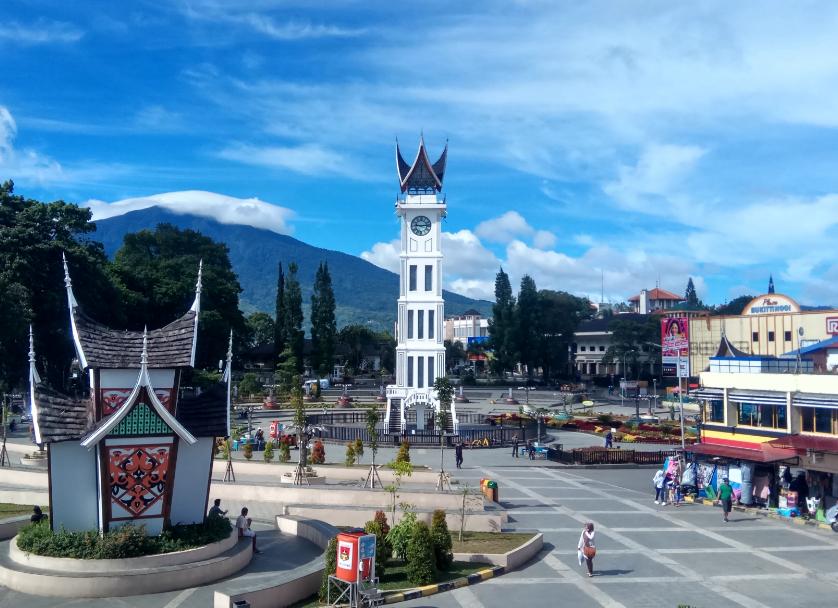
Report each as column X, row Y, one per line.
column 366, row 547
column 481, row 340
column 772, row 303
column 832, row 326
column 675, row 345
column 345, row 555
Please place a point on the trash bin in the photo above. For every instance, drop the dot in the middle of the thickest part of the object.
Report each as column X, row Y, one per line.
column 490, row 490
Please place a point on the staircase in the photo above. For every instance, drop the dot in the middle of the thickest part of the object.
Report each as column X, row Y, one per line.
column 394, row 418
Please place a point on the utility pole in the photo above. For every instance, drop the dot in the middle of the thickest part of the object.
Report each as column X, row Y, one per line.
column 5, row 461
column 681, row 404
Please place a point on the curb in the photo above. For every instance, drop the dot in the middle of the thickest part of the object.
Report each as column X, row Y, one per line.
column 427, row 590
column 800, row 521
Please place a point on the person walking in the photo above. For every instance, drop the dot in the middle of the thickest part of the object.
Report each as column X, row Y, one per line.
column 726, row 497
column 609, row 440
column 657, row 481
column 515, row 446
column 586, row 549
column 530, row 449
column 458, row 452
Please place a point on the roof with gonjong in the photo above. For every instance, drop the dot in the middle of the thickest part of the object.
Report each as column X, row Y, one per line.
column 422, row 175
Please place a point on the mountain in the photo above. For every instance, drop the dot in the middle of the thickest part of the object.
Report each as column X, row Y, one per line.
column 364, row 293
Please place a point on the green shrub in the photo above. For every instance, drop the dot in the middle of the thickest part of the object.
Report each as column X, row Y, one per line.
column 248, row 450
column 224, row 449
column 404, row 452
column 421, row 565
column 330, row 558
column 359, row 449
column 318, row 453
column 400, row 535
column 349, row 460
column 441, row 538
column 125, row 541
column 268, row 455
column 381, row 546
column 381, row 518
column 284, row 452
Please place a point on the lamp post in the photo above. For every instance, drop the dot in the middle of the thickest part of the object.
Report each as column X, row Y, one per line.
column 681, row 403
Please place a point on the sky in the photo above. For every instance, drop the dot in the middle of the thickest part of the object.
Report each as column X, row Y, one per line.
column 600, row 147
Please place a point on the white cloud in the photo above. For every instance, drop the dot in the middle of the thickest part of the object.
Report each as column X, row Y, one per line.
column 26, row 164
column 504, row 228
column 225, row 209
column 41, row 32
column 384, row 255
column 295, row 30
column 544, row 239
column 307, row 159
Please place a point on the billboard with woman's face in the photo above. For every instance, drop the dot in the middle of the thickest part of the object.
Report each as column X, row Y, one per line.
column 675, row 343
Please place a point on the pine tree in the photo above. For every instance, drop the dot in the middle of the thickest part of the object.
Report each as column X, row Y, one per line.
column 527, row 325
column 500, row 327
column 690, row 296
column 323, row 326
column 293, row 310
column 279, row 325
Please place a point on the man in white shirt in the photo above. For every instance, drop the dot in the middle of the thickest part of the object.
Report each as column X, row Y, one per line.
column 243, row 526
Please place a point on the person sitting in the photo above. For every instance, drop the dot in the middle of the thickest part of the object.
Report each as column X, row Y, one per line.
column 215, row 510
column 37, row 515
column 243, row 526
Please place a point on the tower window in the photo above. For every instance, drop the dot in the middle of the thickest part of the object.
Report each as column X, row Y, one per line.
column 413, row 277
column 420, row 373
column 431, row 371
column 787, row 336
column 429, row 277
column 770, row 336
column 409, row 324
column 755, row 337
column 410, row 371
column 420, row 326
column 430, row 325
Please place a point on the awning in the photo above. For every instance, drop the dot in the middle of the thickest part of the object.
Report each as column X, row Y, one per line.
column 763, row 454
column 759, row 397
column 710, row 394
column 815, row 400
column 819, row 443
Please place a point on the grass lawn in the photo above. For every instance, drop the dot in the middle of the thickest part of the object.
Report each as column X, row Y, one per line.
column 489, row 542
column 8, row 509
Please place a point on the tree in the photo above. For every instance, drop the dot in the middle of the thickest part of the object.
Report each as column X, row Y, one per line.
column 441, row 539
column 261, row 330
column 279, row 313
column 527, row 325
column 330, row 561
column 292, row 324
column 629, row 338
column 691, row 297
column 734, row 307
column 454, row 354
column 33, row 236
column 445, row 395
column 356, row 339
column 157, row 271
column 421, row 561
column 559, row 316
column 249, row 385
column 501, row 330
column 323, row 328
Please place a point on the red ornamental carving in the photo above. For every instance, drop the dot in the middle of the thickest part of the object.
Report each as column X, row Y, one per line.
column 138, row 476
column 114, row 398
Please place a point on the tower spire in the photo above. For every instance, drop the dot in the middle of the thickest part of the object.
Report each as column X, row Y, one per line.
column 34, row 379
column 770, row 283
column 68, row 284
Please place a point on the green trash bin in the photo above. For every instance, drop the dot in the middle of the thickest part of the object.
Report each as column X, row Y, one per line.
column 492, row 486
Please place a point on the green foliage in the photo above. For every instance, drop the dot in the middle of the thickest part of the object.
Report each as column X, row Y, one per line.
column 280, row 339
column 383, row 551
column 421, row 562
column 284, row 452
column 349, row 459
column 628, row 337
column 734, row 307
column 381, row 519
column 372, row 428
column 260, row 330
column 249, row 385
column 558, row 316
column 292, row 319
column 268, row 455
column 441, row 538
column 404, row 452
column 454, row 354
column 400, row 535
column 225, row 449
column 330, row 558
column 248, row 450
column 126, row 541
column 323, row 327
column 157, row 271
column 359, row 448
column 527, row 325
column 318, row 453
column 691, row 297
column 501, row 326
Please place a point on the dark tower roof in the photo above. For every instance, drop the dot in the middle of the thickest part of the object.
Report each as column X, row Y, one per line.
column 771, row 283
column 422, row 175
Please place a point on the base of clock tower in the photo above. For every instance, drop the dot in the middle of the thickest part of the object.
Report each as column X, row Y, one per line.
column 403, row 401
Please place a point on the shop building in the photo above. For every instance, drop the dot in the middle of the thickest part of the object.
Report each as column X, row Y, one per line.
column 470, row 324
column 651, row 300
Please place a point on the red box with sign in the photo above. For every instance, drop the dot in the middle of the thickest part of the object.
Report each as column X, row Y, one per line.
column 347, row 558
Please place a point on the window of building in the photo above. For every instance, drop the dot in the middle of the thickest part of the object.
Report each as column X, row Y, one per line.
column 762, row 415
column 420, row 373
column 715, row 411
column 413, row 277
column 770, row 336
column 755, row 337
column 409, row 324
column 429, row 278
column 430, row 325
column 431, row 371
column 410, row 371
column 420, row 325
column 581, row 349
column 787, row 336
column 818, row 420
column 602, row 349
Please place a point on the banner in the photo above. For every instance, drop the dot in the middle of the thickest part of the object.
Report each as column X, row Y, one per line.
column 675, row 345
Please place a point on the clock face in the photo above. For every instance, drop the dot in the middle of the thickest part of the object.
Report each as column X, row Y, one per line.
column 420, row 225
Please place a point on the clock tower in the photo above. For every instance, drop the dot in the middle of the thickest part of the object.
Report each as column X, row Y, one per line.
column 420, row 352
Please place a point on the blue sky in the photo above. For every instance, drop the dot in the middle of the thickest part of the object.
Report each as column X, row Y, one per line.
column 637, row 141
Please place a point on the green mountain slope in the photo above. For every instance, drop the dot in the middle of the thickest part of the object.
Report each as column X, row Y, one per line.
column 365, row 294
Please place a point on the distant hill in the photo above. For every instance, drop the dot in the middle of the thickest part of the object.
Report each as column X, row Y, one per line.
column 364, row 293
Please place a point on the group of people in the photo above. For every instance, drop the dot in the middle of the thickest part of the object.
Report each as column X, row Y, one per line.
column 667, row 487
column 530, row 448
column 243, row 522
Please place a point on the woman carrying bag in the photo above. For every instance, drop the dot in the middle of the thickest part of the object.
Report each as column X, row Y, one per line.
column 586, row 548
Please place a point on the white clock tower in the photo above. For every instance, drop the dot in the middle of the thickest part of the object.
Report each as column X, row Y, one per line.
column 420, row 352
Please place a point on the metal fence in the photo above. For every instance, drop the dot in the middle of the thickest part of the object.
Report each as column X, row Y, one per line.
column 609, row 456
column 487, row 436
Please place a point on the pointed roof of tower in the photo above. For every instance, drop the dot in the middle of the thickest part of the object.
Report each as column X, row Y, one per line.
column 99, row 346
column 770, row 283
column 422, row 175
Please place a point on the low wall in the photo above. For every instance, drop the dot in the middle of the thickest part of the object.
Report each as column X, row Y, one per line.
column 509, row 560
column 299, row 583
column 328, row 471
column 112, row 566
column 11, row 526
column 25, row 496
column 481, row 521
